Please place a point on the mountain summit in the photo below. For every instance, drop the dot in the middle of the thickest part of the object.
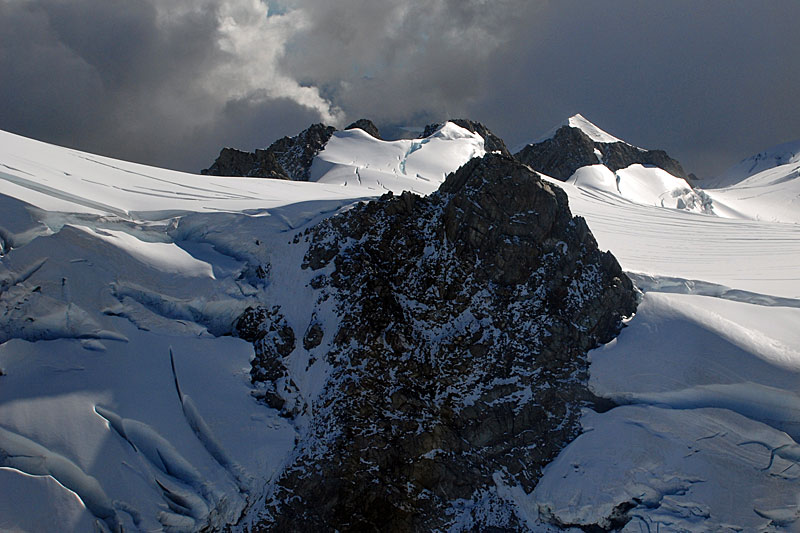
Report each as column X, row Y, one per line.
column 583, row 124
column 578, row 142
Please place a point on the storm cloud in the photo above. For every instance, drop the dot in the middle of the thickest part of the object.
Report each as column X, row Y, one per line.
column 169, row 83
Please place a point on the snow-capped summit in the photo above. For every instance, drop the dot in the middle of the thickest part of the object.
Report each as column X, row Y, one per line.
column 357, row 156
column 579, row 152
column 580, row 122
column 353, row 157
column 594, row 133
column 577, row 142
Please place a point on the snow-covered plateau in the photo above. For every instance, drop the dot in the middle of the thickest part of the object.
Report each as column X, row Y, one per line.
column 126, row 401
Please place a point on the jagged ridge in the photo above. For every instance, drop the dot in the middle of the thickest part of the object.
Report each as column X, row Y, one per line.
column 287, row 158
column 290, row 158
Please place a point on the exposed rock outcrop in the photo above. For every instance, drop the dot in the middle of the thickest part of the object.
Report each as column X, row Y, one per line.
column 570, row 149
column 288, row 158
column 258, row 164
column 492, row 143
column 273, row 340
column 366, row 125
column 458, row 365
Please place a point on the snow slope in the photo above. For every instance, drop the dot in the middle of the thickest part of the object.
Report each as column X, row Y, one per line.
column 107, row 267
column 353, row 157
column 777, row 156
column 772, row 194
column 742, row 254
column 641, row 185
column 708, row 372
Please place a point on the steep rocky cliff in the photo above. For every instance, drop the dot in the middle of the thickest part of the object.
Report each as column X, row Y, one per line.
column 456, row 363
column 288, row 158
column 570, row 149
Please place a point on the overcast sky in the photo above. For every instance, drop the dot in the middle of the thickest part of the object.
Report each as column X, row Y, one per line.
column 169, row 82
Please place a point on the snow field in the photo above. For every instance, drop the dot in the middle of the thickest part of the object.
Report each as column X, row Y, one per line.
column 354, row 158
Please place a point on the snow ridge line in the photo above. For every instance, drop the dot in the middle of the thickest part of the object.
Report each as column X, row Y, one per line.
column 774, row 407
column 62, row 195
column 673, row 285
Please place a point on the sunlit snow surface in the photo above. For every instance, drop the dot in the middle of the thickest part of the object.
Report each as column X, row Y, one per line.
column 708, row 371
column 582, row 123
column 106, row 265
column 353, row 157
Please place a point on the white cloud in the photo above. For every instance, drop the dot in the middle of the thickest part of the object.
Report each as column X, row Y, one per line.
column 250, row 45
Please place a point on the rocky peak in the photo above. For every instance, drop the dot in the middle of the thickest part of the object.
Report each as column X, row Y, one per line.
column 579, row 143
column 258, row 164
column 288, row 158
column 366, row 125
column 492, row 143
column 457, row 360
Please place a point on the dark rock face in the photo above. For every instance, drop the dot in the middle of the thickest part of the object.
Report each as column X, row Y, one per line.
column 273, row 340
column 314, row 334
column 258, row 164
column 491, row 142
column 459, row 361
column 288, row 158
column 560, row 156
column 367, row 126
column 295, row 154
column 570, row 149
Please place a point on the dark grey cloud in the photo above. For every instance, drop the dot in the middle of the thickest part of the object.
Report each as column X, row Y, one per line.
column 711, row 82
column 397, row 60
column 169, row 83
column 164, row 83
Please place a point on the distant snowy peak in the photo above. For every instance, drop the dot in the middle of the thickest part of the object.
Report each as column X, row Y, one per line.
column 577, row 143
column 492, row 143
column 594, row 133
column 580, row 122
column 295, row 158
column 355, row 158
column 765, row 186
column 780, row 155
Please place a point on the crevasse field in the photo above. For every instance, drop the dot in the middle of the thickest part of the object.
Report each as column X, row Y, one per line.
column 123, row 404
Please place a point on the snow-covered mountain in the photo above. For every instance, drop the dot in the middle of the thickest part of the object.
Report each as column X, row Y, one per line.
column 765, row 186
column 578, row 151
column 183, row 352
column 577, row 143
column 775, row 157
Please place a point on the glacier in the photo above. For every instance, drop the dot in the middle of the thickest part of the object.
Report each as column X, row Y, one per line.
column 109, row 267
